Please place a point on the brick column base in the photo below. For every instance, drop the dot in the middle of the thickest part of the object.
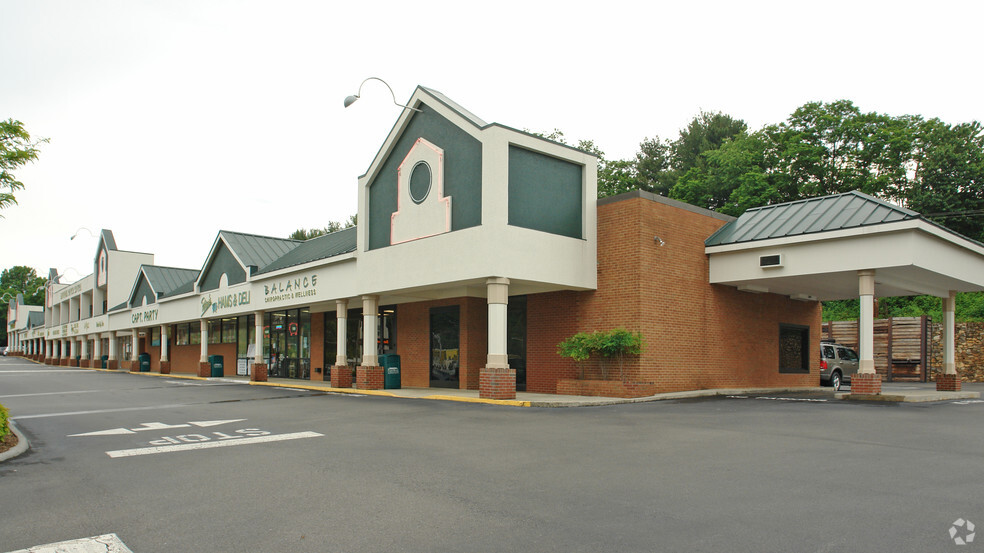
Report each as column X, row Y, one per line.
column 165, row 367
column 204, row 370
column 64, row 362
column 866, row 384
column 112, row 364
column 84, row 363
column 369, row 378
column 341, row 376
column 496, row 383
column 948, row 383
column 49, row 360
column 259, row 373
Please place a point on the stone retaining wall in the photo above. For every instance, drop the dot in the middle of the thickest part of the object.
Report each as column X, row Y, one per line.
column 970, row 350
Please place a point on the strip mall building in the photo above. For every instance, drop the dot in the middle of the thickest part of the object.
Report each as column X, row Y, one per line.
column 479, row 248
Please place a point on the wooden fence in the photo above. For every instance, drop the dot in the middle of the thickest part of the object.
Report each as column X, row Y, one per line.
column 902, row 346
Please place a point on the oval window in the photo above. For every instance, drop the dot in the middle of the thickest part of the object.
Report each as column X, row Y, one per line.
column 420, row 182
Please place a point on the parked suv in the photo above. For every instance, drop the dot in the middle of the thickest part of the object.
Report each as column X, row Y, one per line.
column 838, row 363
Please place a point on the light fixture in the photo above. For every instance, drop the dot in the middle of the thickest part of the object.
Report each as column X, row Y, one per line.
column 349, row 100
column 658, row 240
column 80, row 230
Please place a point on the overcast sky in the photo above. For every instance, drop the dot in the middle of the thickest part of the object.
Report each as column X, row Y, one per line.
column 172, row 120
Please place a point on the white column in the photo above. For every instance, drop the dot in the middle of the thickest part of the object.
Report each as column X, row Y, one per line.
column 204, row 358
column 74, row 351
column 85, row 347
column 949, row 334
column 498, row 300
column 97, row 347
column 49, row 349
column 370, row 306
column 164, row 343
column 258, row 349
column 341, row 333
column 866, row 289
column 112, row 347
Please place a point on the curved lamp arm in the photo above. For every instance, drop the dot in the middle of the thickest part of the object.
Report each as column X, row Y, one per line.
column 80, row 230
column 349, row 100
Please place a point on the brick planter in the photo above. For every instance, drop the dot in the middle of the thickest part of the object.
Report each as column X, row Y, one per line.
column 496, row 383
column 112, row 364
column 947, row 382
column 604, row 388
column 259, row 373
column 204, row 370
column 165, row 367
column 341, row 376
column 369, row 378
column 865, row 384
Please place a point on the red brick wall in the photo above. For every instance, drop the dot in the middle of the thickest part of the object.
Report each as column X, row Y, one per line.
column 184, row 359
column 318, row 344
column 413, row 340
column 697, row 335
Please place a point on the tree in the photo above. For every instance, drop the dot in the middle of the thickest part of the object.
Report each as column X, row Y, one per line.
column 16, row 150
column 333, row 226
column 19, row 280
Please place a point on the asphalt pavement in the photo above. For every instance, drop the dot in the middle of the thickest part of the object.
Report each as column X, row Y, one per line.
column 184, row 465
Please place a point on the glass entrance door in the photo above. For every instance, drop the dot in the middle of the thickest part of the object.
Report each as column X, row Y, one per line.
column 445, row 324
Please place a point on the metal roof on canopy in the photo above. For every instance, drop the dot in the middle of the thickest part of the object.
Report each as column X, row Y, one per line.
column 813, row 249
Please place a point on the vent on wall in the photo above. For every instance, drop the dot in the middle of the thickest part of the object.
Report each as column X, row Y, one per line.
column 770, row 261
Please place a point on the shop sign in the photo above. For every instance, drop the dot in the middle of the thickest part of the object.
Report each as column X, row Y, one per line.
column 145, row 316
column 71, row 291
column 226, row 301
column 290, row 289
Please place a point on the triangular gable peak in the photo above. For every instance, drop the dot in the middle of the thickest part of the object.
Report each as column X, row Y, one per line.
column 221, row 260
column 107, row 243
column 440, row 165
column 237, row 256
column 143, row 290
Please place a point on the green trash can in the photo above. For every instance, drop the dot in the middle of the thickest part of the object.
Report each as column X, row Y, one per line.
column 215, row 361
column 144, row 359
column 103, row 361
column 391, row 371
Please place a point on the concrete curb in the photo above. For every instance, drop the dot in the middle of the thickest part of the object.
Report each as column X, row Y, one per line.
column 22, row 443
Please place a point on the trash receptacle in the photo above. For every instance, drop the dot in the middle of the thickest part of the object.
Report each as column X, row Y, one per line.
column 103, row 361
column 144, row 359
column 391, row 371
column 215, row 361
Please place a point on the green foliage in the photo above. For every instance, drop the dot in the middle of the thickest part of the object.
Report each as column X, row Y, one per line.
column 19, row 279
column 333, row 226
column 4, row 427
column 613, row 344
column 969, row 307
column 16, row 150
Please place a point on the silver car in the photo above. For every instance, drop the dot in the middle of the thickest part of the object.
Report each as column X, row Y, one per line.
column 838, row 363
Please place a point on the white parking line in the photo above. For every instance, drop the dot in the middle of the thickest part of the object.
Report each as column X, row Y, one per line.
column 208, row 445
column 98, row 411
column 53, row 393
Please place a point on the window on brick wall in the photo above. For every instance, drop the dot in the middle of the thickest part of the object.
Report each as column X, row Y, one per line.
column 794, row 348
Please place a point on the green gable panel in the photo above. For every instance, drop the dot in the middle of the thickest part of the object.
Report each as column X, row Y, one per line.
column 222, row 262
column 545, row 193
column 462, row 174
column 143, row 291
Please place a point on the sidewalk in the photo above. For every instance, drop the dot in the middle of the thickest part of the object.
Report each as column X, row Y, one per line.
column 915, row 392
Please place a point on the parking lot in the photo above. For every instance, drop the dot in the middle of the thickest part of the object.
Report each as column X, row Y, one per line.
column 176, row 465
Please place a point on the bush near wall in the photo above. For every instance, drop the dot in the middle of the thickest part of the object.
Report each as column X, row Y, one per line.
column 4, row 428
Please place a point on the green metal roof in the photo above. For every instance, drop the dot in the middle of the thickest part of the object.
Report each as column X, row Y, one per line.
column 257, row 251
column 165, row 280
column 828, row 213
column 321, row 247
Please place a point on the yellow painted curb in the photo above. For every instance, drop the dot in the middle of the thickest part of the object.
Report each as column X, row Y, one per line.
column 325, row 389
column 511, row 402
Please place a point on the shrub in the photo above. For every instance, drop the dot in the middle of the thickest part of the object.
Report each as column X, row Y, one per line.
column 4, row 428
column 611, row 344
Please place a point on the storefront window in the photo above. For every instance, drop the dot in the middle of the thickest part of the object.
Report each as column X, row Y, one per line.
column 242, row 342
column 181, row 335
column 195, row 332
column 155, row 336
column 305, row 323
column 229, row 330
column 214, row 331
